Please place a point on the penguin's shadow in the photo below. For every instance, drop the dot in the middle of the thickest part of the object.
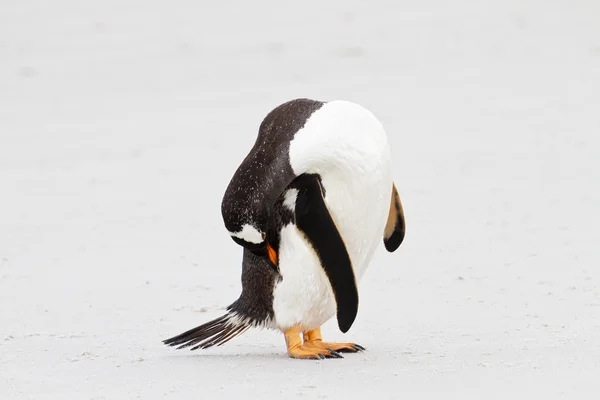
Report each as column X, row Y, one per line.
column 247, row 356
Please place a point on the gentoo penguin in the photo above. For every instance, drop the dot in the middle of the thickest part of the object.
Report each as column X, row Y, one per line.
column 309, row 204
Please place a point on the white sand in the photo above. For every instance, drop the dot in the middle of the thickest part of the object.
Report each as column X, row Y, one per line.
column 121, row 123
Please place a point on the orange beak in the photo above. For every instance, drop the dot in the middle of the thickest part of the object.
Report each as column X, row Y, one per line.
column 272, row 254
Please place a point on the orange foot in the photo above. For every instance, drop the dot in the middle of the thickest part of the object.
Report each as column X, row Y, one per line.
column 296, row 349
column 313, row 340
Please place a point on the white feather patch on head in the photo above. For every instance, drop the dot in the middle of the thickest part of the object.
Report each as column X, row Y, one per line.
column 290, row 199
column 249, row 234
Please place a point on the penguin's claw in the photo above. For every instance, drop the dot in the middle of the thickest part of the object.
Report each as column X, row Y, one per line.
column 358, row 347
column 334, row 354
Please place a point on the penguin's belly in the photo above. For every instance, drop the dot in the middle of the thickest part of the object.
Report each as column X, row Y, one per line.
column 358, row 203
column 304, row 295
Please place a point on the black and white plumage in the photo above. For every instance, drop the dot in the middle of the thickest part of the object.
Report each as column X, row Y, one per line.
column 309, row 204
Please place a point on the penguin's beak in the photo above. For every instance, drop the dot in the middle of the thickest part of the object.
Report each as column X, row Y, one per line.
column 272, row 254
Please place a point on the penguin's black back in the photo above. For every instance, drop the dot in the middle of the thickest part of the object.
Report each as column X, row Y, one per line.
column 266, row 170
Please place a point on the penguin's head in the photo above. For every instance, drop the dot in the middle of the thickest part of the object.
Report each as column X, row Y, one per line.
column 247, row 206
column 263, row 176
column 250, row 225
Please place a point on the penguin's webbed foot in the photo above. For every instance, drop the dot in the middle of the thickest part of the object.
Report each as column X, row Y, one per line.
column 312, row 353
column 296, row 349
column 313, row 339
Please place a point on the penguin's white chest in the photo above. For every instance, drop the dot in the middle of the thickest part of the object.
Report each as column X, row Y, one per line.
column 304, row 295
column 348, row 148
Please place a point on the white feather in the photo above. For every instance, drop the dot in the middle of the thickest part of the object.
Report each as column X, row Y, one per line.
column 249, row 234
column 289, row 200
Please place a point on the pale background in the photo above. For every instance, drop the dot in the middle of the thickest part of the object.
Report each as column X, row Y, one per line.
column 121, row 123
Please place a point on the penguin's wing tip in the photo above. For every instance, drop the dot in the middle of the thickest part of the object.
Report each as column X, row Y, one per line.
column 396, row 225
column 345, row 322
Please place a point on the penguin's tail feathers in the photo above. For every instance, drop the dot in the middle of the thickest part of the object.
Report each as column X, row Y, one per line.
column 214, row 333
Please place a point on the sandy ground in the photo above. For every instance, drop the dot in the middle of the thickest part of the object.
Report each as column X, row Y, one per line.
column 121, row 123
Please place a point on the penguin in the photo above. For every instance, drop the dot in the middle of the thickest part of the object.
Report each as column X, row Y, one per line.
column 309, row 204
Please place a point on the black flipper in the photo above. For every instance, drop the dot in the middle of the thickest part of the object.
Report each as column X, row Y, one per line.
column 395, row 227
column 315, row 221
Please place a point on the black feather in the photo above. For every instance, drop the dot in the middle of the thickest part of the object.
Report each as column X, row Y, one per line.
column 213, row 333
